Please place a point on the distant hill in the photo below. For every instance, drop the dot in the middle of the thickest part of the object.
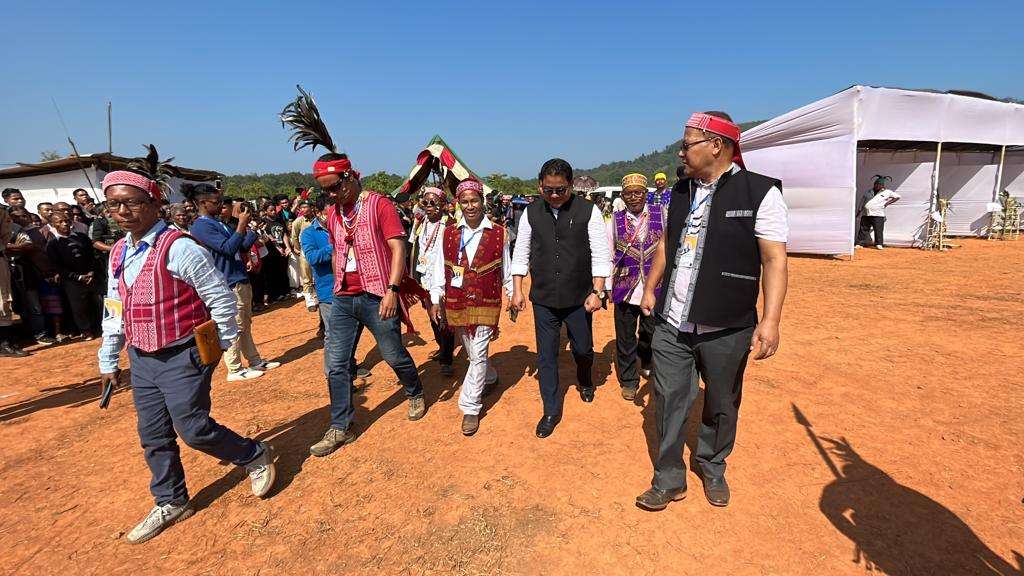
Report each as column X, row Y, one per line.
column 664, row 160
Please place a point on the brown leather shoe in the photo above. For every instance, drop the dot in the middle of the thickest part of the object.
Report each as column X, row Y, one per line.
column 628, row 393
column 470, row 424
column 655, row 499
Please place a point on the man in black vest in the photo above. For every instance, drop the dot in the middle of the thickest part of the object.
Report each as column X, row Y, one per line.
column 562, row 243
column 727, row 228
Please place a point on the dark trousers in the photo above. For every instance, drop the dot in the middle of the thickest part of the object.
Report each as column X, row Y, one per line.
column 548, row 324
column 258, row 289
column 275, row 274
column 445, row 343
column 628, row 346
column 85, row 302
column 719, row 358
column 171, row 390
column 348, row 315
column 876, row 223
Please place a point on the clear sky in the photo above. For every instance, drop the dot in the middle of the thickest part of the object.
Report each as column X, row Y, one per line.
column 507, row 84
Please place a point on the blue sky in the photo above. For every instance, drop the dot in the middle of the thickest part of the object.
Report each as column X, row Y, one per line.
column 507, row 84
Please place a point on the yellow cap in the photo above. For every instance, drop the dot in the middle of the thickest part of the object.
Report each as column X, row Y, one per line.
column 660, row 176
column 634, row 181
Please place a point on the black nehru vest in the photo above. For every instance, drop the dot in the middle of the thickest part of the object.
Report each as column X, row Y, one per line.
column 728, row 277
column 560, row 269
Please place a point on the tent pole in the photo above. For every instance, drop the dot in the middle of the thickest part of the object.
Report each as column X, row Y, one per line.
column 999, row 184
column 934, row 201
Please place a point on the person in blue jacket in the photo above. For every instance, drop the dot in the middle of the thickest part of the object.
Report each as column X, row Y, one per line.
column 227, row 246
column 316, row 247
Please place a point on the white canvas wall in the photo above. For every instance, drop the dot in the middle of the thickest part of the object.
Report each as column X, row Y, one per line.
column 58, row 187
column 912, row 179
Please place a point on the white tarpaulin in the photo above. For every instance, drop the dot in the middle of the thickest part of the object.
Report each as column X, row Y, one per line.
column 814, row 151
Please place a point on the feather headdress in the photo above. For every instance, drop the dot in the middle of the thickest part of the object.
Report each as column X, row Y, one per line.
column 302, row 117
column 160, row 171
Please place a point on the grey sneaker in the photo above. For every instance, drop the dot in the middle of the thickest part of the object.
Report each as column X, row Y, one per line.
column 417, row 408
column 332, row 440
column 159, row 517
column 261, row 471
column 264, row 365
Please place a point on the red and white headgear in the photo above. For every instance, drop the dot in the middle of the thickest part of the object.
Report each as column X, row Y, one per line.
column 720, row 126
column 133, row 179
column 469, row 185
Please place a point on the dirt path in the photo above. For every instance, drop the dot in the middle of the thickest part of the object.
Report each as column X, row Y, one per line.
column 885, row 435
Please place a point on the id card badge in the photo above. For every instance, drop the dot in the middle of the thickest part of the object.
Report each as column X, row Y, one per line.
column 112, row 310
column 457, row 274
column 689, row 248
column 350, row 263
column 421, row 265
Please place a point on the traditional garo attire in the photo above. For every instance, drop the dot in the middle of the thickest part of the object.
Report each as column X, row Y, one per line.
column 426, row 239
column 707, row 309
column 471, row 268
column 161, row 287
column 634, row 239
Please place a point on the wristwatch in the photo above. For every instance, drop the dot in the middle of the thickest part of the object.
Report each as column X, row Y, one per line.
column 394, row 288
column 601, row 294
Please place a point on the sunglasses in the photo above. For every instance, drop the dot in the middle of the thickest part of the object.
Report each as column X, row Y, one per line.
column 560, row 190
column 429, row 203
column 685, row 147
column 342, row 177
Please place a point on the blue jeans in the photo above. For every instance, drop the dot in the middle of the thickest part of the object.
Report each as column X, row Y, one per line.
column 325, row 315
column 349, row 314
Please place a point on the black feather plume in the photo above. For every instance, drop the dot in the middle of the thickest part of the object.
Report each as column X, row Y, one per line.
column 303, row 118
column 160, row 171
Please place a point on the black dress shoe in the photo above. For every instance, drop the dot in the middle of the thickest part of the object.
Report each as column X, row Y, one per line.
column 717, row 491
column 629, row 393
column 547, row 425
column 587, row 394
column 655, row 499
column 11, row 351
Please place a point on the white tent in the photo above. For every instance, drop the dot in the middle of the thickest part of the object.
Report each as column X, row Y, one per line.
column 56, row 180
column 826, row 154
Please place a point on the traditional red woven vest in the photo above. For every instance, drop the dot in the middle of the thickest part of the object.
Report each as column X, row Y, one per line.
column 158, row 308
column 478, row 302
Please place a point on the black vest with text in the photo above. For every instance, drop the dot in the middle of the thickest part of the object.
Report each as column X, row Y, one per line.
column 560, row 271
column 728, row 277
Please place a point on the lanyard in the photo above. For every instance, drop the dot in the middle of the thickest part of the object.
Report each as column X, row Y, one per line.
column 463, row 242
column 143, row 246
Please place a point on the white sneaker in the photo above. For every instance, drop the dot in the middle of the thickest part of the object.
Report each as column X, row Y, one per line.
column 264, row 365
column 244, row 374
column 261, row 472
column 879, row 247
column 159, row 517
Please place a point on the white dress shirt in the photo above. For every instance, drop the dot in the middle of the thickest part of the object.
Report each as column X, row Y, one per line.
column 426, row 254
column 600, row 257
column 472, row 237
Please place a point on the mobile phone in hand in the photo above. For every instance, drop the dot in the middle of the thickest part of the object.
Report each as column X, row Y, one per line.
column 513, row 314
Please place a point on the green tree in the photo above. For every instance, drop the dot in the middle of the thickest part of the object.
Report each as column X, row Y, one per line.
column 382, row 182
column 49, row 155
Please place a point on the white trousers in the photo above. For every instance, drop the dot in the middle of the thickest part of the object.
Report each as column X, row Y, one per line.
column 479, row 374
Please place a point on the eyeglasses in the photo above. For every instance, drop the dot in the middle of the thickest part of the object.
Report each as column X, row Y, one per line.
column 633, row 192
column 342, row 177
column 132, row 205
column 685, row 146
column 560, row 190
column 429, row 203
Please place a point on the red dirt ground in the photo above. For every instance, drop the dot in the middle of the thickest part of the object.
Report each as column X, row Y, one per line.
column 904, row 365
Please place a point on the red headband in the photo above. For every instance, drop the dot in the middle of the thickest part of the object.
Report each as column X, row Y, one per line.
column 333, row 167
column 720, row 126
column 126, row 178
column 469, row 186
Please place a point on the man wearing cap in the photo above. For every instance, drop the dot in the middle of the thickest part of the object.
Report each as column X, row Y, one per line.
column 563, row 245
column 427, row 235
column 726, row 231
column 634, row 234
column 161, row 286
column 303, row 220
column 371, row 289
column 471, row 270
column 662, row 194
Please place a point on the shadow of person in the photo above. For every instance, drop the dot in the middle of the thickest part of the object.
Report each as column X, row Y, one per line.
column 291, row 442
column 512, row 365
column 69, row 395
column 604, row 362
column 898, row 530
column 297, row 352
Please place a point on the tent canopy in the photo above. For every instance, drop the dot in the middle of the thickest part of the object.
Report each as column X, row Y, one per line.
column 826, row 151
column 439, row 159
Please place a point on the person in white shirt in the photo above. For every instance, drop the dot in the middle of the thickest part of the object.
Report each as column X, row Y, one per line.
column 726, row 231
column 633, row 235
column 426, row 236
column 562, row 244
column 873, row 214
column 471, row 270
